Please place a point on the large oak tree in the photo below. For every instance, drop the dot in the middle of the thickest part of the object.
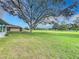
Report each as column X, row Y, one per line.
column 33, row 11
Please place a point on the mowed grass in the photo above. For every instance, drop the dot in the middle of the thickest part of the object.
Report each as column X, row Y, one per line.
column 40, row 45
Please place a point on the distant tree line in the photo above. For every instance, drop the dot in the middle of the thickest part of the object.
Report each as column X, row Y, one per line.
column 66, row 27
column 70, row 26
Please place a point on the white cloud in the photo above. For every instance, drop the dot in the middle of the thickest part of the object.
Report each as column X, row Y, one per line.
column 74, row 17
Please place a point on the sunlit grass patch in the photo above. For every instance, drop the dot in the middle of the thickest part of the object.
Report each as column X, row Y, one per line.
column 40, row 45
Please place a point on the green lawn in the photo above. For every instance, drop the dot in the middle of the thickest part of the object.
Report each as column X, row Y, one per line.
column 40, row 45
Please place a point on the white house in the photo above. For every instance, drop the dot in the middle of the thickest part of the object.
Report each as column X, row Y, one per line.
column 5, row 27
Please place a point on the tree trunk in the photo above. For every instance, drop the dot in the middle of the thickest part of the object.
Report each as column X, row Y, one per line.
column 30, row 26
column 30, row 30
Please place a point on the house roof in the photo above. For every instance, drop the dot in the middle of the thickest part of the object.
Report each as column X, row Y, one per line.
column 3, row 22
column 13, row 26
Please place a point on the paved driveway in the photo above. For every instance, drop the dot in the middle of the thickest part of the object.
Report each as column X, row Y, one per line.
column 2, row 34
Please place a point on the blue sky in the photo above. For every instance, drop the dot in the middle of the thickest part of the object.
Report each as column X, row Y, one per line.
column 16, row 21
